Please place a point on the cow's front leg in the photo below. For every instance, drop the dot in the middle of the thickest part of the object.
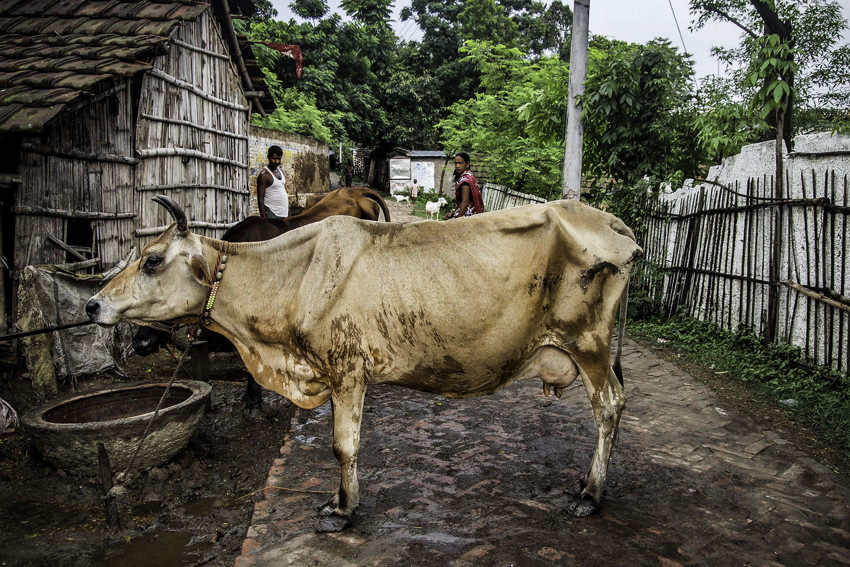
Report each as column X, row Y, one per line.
column 336, row 514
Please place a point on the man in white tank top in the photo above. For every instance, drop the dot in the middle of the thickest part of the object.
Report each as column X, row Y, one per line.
column 272, row 199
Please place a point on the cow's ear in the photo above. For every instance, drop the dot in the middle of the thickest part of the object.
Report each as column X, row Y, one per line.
column 200, row 270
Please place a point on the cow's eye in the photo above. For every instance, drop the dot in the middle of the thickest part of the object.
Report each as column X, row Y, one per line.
column 152, row 262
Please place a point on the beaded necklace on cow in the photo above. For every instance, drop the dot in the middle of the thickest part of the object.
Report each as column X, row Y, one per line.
column 204, row 319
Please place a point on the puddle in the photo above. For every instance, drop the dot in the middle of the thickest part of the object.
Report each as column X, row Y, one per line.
column 170, row 548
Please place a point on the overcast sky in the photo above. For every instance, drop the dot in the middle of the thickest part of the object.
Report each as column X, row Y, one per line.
column 635, row 21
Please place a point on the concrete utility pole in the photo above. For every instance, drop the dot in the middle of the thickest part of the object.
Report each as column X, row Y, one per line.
column 574, row 137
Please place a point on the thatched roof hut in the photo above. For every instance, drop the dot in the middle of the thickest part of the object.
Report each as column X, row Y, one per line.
column 104, row 104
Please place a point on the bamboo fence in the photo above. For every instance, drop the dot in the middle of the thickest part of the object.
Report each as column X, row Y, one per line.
column 710, row 256
column 497, row 197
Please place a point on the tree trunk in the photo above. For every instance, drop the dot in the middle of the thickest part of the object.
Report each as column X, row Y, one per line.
column 772, row 330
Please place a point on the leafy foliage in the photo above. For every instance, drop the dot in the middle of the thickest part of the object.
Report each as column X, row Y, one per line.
column 491, row 77
column 820, row 78
column 508, row 124
column 723, row 125
column 637, row 111
column 310, row 9
column 296, row 113
column 527, row 25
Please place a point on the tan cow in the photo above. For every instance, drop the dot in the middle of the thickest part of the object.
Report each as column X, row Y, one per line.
column 459, row 308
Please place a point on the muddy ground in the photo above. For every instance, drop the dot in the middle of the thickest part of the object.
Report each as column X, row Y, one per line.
column 194, row 510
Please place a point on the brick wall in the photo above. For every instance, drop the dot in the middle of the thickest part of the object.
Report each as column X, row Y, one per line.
column 305, row 163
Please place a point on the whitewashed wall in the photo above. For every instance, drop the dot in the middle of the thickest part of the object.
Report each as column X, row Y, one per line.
column 717, row 242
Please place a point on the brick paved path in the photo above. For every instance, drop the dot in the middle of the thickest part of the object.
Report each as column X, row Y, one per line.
column 482, row 482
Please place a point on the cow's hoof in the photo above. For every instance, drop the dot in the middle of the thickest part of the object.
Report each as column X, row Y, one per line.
column 582, row 507
column 327, row 508
column 332, row 523
column 251, row 412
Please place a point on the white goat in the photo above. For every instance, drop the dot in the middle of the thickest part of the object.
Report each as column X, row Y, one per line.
column 400, row 198
column 433, row 207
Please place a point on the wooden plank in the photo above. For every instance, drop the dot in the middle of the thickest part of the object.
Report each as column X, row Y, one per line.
column 65, row 247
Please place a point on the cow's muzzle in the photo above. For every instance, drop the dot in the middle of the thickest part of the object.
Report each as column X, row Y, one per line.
column 93, row 309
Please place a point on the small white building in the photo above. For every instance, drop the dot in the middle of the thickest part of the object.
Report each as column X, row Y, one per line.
column 427, row 170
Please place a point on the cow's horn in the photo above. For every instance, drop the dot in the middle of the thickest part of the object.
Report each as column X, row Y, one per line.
column 175, row 210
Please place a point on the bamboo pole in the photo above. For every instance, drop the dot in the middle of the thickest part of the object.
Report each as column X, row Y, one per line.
column 68, row 213
column 842, row 303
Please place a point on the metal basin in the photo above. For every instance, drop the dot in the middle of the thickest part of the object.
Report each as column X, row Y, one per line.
column 67, row 432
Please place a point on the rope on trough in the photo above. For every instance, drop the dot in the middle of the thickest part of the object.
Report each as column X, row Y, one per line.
column 124, row 479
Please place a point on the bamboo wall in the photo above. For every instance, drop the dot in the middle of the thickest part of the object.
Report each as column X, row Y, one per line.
column 78, row 176
column 87, row 180
column 192, row 135
column 712, row 251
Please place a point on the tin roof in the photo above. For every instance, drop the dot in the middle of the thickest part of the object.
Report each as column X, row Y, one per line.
column 57, row 52
column 427, row 154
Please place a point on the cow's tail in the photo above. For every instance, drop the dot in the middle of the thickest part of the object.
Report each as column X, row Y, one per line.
column 621, row 332
column 375, row 196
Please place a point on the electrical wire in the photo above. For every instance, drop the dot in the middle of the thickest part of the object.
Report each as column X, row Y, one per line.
column 681, row 37
column 675, row 19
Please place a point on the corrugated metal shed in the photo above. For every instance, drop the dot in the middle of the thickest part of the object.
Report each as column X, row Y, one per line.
column 427, row 154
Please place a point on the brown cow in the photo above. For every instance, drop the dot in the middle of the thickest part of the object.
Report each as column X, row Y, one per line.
column 358, row 202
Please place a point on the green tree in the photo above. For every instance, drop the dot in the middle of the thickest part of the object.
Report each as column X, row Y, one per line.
column 486, row 20
column 637, row 112
column 513, row 126
column 370, row 13
column 805, row 61
column 637, row 109
column 525, row 24
column 345, row 65
column 723, row 125
column 310, row 9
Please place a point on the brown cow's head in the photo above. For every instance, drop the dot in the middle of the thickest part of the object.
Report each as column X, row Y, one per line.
column 169, row 282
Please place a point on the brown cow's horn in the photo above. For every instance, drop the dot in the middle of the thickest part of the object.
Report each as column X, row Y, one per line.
column 175, row 210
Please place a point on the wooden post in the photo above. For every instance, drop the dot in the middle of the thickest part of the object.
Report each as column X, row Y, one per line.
column 571, row 183
column 200, row 357
column 112, row 518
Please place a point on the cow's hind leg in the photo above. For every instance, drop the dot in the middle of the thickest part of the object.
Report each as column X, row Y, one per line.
column 607, row 400
column 336, row 514
column 252, row 399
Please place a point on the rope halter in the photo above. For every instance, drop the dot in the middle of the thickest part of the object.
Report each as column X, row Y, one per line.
column 204, row 318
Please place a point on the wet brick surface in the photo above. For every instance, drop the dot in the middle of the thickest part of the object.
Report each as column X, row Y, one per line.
column 485, row 481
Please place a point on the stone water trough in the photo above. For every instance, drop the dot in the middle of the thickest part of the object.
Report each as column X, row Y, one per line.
column 67, row 432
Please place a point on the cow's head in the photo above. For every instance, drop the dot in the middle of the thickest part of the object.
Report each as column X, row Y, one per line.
column 169, row 282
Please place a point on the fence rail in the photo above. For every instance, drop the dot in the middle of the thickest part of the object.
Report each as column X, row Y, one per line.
column 710, row 252
column 498, row 197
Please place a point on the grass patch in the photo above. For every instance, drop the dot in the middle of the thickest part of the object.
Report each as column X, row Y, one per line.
column 419, row 205
column 816, row 396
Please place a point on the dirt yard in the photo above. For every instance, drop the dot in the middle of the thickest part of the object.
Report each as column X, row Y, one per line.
column 196, row 509
column 193, row 511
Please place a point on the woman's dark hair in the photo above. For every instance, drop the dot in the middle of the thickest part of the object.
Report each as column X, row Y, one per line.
column 463, row 155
